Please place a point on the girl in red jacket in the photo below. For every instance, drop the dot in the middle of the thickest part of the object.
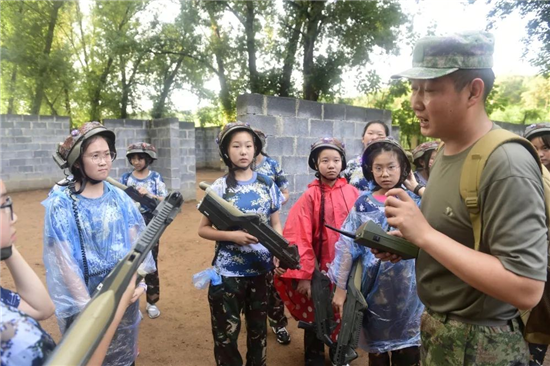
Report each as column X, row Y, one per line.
column 328, row 199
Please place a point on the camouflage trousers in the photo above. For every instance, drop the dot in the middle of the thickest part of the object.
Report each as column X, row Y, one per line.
column 409, row 356
column 152, row 279
column 275, row 307
column 453, row 343
column 236, row 295
column 538, row 351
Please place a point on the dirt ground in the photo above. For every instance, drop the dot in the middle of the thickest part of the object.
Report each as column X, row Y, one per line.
column 182, row 334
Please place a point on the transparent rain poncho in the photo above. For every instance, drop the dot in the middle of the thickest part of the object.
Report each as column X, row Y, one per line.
column 110, row 226
column 392, row 320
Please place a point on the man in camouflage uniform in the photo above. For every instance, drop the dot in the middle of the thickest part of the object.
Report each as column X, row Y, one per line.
column 472, row 296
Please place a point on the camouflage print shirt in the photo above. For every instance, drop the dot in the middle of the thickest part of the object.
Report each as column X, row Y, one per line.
column 354, row 174
column 272, row 169
column 154, row 184
column 261, row 196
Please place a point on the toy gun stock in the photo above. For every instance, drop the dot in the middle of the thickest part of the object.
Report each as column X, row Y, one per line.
column 373, row 236
column 85, row 334
column 225, row 216
column 146, row 201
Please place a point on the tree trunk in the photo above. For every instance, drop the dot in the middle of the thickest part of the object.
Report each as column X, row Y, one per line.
column 13, row 81
column 290, row 57
column 158, row 108
column 95, row 110
column 127, row 84
column 314, row 18
column 67, row 101
column 43, row 70
column 225, row 96
column 251, row 48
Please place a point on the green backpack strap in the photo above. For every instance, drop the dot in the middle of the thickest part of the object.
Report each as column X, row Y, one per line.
column 473, row 169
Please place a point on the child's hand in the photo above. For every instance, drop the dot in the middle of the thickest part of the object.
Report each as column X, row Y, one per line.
column 138, row 291
column 243, row 238
column 385, row 256
column 142, row 191
column 410, row 183
column 338, row 300
column 304, row 287
column 278, row 270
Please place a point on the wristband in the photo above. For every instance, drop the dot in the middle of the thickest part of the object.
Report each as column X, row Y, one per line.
column 418, row 188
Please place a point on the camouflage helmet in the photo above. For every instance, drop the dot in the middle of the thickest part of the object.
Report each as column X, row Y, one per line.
column 378, row 144
column 69, row 151
column 262, row 136
column 434, row 57
column 421, row 149
column 326, row 143
column 536, row 129
column 141, row 148
column 225, row 136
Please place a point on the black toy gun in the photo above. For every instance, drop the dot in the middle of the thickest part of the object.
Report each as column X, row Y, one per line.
column 145, row 201
column 373, row 236
column 85, row 334
column 225, row 216
column 352, row 318
column 321, row 295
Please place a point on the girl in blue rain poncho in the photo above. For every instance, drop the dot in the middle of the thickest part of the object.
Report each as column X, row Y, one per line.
column 88, row 228
column 392, row 320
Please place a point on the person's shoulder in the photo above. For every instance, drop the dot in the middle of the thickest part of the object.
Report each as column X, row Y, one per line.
column 512, row 159
column 262, row 178
column 57, row 198
column 155, row 175
column 363, row 203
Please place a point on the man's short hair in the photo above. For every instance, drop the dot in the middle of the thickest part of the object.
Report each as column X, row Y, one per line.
column 463, row 77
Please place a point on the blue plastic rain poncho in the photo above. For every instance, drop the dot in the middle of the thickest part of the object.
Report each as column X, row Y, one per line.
column 110, row 226
column 392, row 320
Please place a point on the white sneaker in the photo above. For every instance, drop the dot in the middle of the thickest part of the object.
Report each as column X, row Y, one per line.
column 152, row 311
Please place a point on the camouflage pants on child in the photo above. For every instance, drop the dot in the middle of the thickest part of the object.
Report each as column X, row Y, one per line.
column 152, row 279
column 275, row 307
column 236, row 295
column 451, row 342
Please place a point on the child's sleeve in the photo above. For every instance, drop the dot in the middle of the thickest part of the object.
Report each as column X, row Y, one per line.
column 161, row 187
column 280, row 177
column 346, row 251
column 299, row 230
column 64, row 277
column 124, row 178
column 277, row 198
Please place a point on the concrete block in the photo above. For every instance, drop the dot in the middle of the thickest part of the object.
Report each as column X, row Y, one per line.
column 10, row 117
column 250, row 104
column 135, row 123
column 280, row 146
column 301, row 181
column 310, row 109
column 334, row 111
column 356, row 114
column 303, row 146
column 294, row 165
column 268, row 124
column 295, row 127
column 354, row 147
column 33, row 118
column 344, row 129
column 125, row 133
column 378, row 114
column 280, row 106
column 6, row 124
column 319, row 128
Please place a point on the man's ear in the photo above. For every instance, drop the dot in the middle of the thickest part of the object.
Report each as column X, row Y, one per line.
column 476, row 89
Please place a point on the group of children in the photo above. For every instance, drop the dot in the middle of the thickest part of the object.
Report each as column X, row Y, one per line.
column 463, row 317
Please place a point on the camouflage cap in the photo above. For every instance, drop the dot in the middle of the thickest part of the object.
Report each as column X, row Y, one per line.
column 434, row 57
column 419, row 151
column 141, row 148
column 537, row 129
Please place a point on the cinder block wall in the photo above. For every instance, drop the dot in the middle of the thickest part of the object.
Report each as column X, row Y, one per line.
column 292, row 125
column 206, row 149
column 26, row 147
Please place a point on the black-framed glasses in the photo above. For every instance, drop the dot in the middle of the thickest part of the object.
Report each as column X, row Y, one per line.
column 8, row 204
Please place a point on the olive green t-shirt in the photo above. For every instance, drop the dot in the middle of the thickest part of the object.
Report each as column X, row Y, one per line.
column 513, row 229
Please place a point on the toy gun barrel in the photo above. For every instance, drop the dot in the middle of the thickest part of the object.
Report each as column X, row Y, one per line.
column 85, row 334
column 343, row 232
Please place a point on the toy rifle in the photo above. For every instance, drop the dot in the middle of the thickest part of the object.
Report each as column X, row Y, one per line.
column 85, row 334
column 321, row 295
column 145, row 201
column 373, row 236
column 352, row 318
column 225, row 216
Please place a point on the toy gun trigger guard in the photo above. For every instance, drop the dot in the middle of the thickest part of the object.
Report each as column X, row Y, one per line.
column 86, row 332
column 224, row 216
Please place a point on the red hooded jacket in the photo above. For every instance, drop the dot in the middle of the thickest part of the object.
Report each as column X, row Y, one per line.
column 303, row 224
